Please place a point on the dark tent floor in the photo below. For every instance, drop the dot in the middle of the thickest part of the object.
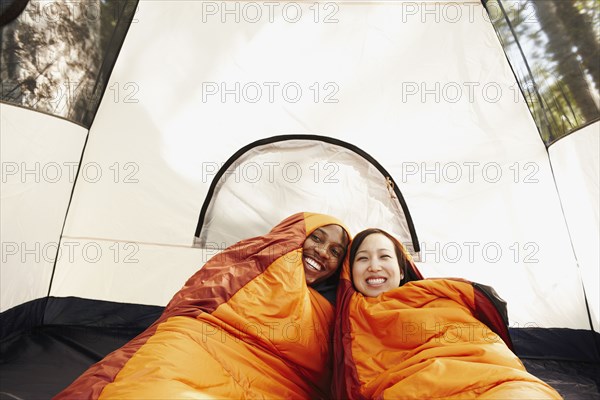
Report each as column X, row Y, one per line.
column 41, row 361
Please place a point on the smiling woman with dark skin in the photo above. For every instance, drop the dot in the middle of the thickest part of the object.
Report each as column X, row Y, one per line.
column 323, row 252
column 248, row 324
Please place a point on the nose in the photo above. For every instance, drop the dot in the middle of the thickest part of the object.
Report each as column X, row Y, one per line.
column 374, row 266
column 322, row 251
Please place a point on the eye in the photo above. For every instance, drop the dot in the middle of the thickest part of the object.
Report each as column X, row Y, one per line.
column 361, row 258
column 315, row 238
column 386, row 256
column 336, row 252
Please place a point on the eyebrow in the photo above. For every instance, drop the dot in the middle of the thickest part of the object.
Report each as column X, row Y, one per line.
column 342, row 245
column 380, row 249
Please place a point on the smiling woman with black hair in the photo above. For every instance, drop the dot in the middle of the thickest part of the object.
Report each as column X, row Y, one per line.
column 398, row 336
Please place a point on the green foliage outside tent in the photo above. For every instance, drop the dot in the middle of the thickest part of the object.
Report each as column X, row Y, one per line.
column 553, row 46
column 52, row 55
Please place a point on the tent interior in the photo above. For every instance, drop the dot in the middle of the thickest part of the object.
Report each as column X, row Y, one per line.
column 138, row 139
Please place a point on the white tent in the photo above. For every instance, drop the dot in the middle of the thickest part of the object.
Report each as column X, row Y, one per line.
column 104, row 217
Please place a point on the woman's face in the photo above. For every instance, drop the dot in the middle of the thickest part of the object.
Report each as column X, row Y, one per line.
column 375, row 267
column 323, row 252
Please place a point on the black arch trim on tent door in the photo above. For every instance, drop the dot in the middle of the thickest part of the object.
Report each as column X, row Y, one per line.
column 326, row 139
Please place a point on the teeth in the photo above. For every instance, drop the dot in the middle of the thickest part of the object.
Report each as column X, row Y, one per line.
column 313, row 264
column 375, row 281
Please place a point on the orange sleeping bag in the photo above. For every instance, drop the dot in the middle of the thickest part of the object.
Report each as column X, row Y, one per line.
column 425, row 340
column 245, row 326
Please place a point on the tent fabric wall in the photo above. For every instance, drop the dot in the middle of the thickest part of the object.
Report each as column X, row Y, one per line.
column 432, row 99
column 164, row 145
column 125, row 272
column 40, row 156
column 576, row 169
column 167, row 131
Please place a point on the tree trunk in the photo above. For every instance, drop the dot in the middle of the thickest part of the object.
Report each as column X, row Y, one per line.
column 581, row 33
column 50, row 55
column 568, row 68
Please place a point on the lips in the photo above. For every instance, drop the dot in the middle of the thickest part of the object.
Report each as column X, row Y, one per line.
column 313, row 264
column 376, row 280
